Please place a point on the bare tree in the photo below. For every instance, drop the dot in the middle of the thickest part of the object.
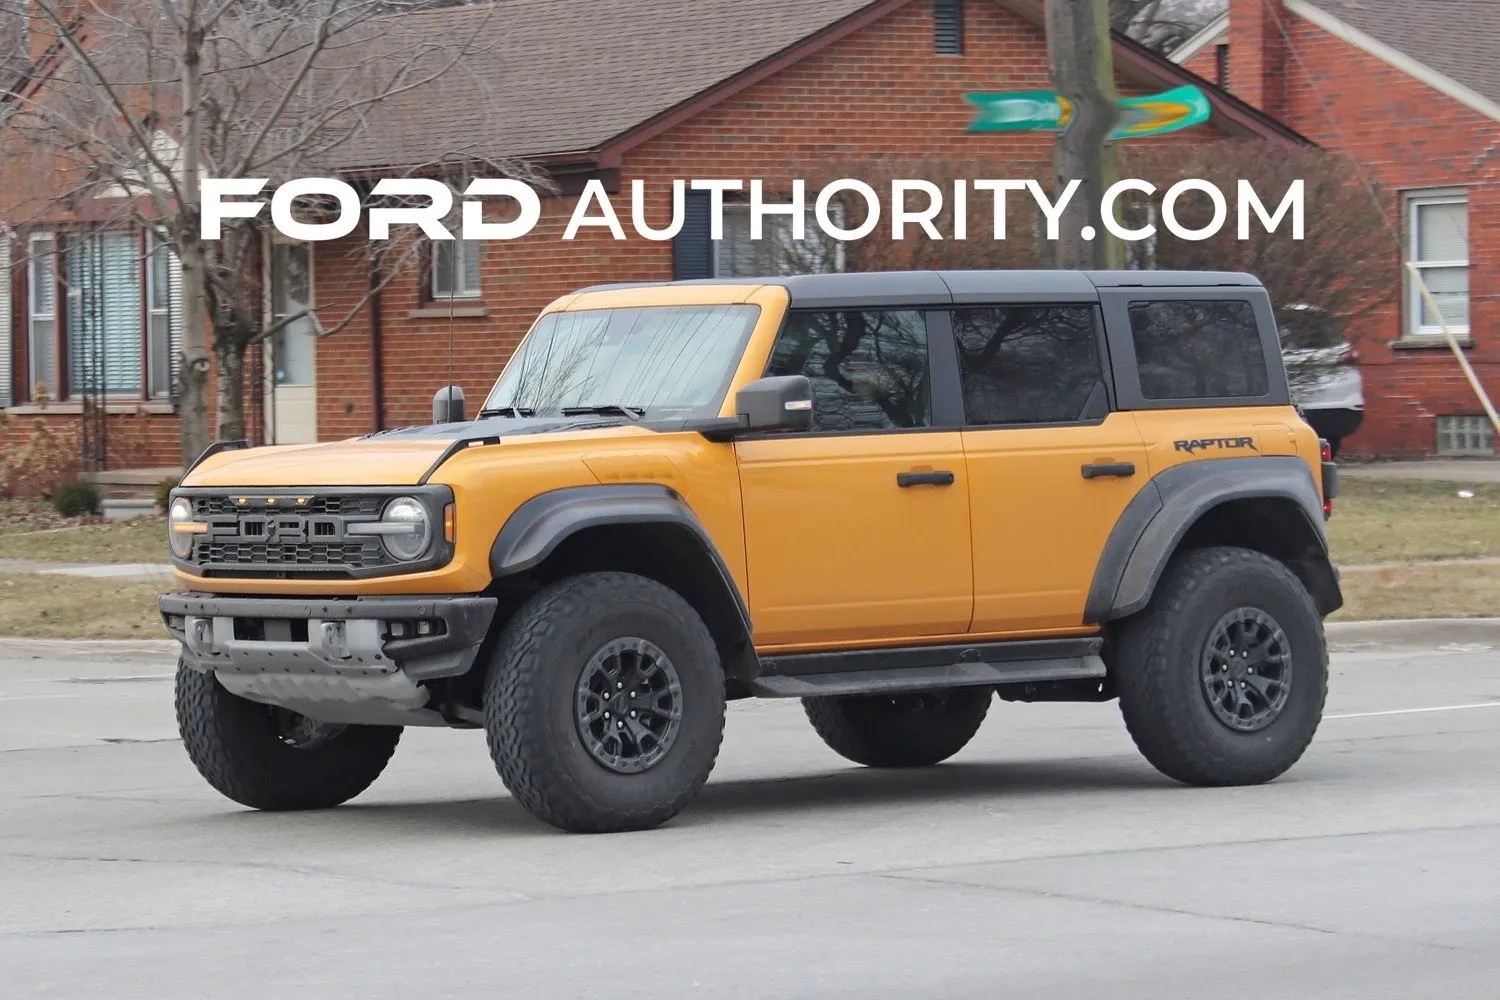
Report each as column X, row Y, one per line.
column 141, row 89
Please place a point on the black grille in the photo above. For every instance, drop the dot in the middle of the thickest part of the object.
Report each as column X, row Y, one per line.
column 242, row 537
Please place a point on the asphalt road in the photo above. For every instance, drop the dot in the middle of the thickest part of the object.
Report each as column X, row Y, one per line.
column 1048, row 860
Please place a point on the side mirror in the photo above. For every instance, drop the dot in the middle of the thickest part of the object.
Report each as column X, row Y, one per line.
column 779, row 403
column 448, row 405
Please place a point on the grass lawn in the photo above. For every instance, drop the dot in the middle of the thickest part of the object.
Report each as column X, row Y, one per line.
column 1379, row 521
column 137, row 540
column 48, row 606
column 1375, row 521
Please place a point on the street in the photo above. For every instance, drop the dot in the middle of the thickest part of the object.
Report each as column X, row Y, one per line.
column 1047, row 860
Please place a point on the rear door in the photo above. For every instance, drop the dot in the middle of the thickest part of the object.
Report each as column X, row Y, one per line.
column 1051, row 466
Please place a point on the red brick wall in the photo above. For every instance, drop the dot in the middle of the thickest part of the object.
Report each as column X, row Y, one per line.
column 1405, row 135
column 880, row 93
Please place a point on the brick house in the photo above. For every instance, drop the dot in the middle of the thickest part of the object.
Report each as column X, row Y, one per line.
column 648, row 90
column 1411, row 90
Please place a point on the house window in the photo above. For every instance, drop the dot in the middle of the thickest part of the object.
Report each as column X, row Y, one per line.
column 777, row 252
column 159, row 319
column 455, row 269
column 104, row 278
column 41, row 298
column 948, row 27
column 1438, row 226
column 1465, row 436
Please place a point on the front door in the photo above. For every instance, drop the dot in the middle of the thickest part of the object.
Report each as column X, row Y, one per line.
column 1051, row 469
column 857, row 530
column 292, row 417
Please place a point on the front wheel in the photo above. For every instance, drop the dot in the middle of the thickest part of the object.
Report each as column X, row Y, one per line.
column 909, row 730
column 270, row 758
column 604, row 704
column 1223, row 678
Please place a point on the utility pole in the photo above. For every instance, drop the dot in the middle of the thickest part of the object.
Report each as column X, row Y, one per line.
column 1083, row 72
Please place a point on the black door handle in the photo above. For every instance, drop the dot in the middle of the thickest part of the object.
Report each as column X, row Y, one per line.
column 1120, row 469
column 905, row 479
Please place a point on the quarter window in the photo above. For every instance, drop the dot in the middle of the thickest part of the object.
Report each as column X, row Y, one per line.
column 1190, row 349
column 869, row 370
column 1027, row 364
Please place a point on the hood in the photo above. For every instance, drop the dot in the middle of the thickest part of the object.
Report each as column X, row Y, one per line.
column 400, row 457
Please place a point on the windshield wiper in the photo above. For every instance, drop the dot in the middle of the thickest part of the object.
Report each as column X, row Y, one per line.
column 619, row 409
column 508, row 411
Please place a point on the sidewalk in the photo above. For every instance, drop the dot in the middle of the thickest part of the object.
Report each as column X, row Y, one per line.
column 1442, row 470
column 97, row 571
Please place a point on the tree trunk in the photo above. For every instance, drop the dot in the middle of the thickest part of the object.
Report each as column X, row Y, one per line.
column 192, row 387
column 1082, row 62
column 230, row 385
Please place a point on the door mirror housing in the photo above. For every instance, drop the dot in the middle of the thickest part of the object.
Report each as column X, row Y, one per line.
column 778, row 403
column 448, row 405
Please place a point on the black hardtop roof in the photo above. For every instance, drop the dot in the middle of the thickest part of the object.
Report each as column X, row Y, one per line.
column 917, row 288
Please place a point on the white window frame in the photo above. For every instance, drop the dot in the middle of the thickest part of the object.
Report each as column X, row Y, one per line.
column 54, row 381
column 157, row 311
column 1415, row 303
column 461, row 251
column 772, row 221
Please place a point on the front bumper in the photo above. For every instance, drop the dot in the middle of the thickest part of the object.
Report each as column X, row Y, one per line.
column 338, row 660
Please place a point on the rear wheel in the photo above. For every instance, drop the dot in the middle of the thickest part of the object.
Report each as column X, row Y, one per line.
column 909, row 730
column 604, row 704
column 1223, row 678
column 273, row 759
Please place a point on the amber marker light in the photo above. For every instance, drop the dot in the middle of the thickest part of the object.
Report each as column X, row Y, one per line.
column 450, row 527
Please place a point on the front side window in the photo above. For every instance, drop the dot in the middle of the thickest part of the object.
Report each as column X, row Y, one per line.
column 869, row 370
column 1439, row 248
column 455, row 269
column 1027, row 364
column 663, row 362
column 777, row 252
column 103, row 275
column 1198, row 349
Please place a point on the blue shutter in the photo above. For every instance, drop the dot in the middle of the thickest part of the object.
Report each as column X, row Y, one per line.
column 693, row 249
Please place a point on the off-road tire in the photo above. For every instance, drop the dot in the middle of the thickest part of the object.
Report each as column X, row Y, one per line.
column 529, row 703
column 1159, row 659
column 899, row 730
column 233, row 744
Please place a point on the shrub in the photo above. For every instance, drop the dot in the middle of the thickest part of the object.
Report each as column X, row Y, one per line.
column 76, row 498
column 31, row 466
column 164, row 492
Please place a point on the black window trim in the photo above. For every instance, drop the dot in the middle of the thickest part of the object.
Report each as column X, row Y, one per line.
column 1106, row 373
column 942, row 359
column 1126, row 372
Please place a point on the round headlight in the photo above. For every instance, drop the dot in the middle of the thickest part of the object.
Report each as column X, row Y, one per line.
column 415, row 530
column 181, row 527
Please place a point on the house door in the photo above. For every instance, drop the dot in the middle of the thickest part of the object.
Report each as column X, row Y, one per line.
column 291, row 362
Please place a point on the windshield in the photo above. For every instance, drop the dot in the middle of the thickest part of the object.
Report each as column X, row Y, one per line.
column 655, row 361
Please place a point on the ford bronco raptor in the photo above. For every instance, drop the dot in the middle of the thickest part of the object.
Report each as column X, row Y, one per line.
column 891, row 496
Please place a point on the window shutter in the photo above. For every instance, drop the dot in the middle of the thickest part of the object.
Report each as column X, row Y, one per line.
column 6, row 372
column 174, row 317
column 948, row 27
column 693, row 249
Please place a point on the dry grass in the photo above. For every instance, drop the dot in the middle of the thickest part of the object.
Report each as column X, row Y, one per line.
column 1379, row 521
column 137, row 540
column 49, row 606
column 1454, row 590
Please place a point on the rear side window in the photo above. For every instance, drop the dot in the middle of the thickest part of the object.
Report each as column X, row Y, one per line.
column 1027, row 364
column 869, row 370
column 1198, row 349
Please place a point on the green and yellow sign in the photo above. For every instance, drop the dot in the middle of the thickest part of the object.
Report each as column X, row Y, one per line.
column 1049, row 111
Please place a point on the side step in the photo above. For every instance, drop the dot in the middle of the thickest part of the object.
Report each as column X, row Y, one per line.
column 920, row 668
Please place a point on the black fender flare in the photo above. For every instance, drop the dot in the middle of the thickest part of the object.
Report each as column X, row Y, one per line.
column 1157, row 518
column 537, row 527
